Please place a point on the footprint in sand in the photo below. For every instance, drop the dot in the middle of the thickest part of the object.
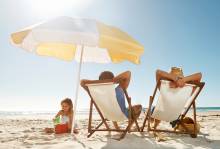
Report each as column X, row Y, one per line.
column 27, row 131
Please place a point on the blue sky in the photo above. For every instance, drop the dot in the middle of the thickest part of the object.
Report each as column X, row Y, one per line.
column 174, row 33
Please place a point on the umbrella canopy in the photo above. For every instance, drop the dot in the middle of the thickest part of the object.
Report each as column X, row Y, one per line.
column 60, row 37
column 84, row 40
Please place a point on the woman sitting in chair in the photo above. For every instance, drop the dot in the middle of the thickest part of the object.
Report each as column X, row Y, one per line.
column 123, row 79
column 177, row 80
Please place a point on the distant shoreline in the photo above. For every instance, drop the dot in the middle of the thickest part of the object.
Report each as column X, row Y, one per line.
column 86, row 111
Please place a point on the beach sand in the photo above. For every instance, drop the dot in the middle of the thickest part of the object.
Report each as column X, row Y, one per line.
column 26, row 131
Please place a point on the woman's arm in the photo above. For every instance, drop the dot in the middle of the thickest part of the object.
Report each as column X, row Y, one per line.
column 194, row 77
column 123, row 79
column 165, row 75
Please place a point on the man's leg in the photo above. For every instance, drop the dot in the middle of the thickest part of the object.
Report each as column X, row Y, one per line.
column 156, row 123
column 136, row 111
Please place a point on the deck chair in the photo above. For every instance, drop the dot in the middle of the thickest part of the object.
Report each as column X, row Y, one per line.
column 173, row 104
column 103, row 97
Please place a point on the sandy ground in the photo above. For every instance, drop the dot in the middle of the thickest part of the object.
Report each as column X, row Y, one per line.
column 27, row 132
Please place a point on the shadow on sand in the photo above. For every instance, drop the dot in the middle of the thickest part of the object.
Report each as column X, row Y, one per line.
column 143, row 141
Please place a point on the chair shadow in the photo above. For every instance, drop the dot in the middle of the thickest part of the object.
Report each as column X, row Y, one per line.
column 133, row 141
column 201, row 141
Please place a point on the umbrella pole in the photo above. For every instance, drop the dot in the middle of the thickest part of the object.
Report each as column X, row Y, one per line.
column 77, row 89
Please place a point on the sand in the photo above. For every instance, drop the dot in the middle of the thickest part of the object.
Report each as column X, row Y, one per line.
column 26, row 131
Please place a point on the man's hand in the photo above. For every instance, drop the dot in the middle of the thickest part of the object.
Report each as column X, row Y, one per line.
column 180, row 83
column 82, row 82
column 123, row 79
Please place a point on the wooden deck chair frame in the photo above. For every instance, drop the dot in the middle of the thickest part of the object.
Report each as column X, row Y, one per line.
column 192, row 104
column 104, row 121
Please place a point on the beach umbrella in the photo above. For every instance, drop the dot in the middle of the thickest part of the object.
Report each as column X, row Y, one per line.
column 83, row 40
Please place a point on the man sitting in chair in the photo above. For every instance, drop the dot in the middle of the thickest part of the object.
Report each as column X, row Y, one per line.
column 123, row 79
column 177, row 80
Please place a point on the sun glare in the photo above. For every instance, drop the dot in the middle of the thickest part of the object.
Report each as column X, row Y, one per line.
column 57, row 7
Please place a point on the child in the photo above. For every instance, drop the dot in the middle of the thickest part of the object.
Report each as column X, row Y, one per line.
column 64, row 117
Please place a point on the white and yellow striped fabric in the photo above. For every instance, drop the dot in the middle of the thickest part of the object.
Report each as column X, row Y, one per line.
column 61, row 36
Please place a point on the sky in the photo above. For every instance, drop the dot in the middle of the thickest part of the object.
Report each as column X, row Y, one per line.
column 174, row 33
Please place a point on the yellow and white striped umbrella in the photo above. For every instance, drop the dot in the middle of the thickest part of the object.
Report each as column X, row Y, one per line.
column 84, row 40
column 61, row 36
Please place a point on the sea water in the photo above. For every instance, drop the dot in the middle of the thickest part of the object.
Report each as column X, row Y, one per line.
column 84, row 111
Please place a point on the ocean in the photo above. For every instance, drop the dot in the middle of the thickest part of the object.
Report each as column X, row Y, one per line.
column 84, row 111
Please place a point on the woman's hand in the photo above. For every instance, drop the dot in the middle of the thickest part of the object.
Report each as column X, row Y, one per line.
column 180, row 82
column 173, row 84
